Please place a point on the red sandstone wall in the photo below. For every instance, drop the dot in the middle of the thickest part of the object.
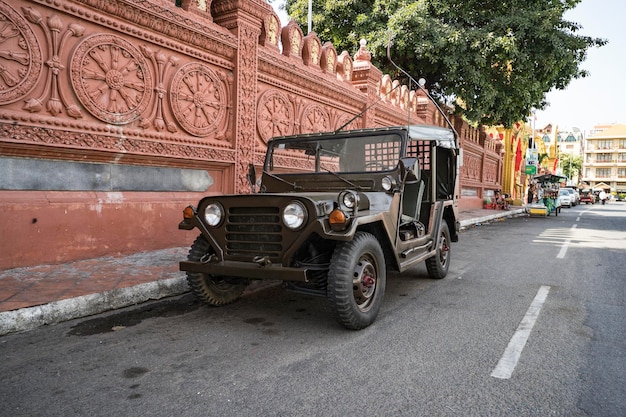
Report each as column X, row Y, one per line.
column 151, row 85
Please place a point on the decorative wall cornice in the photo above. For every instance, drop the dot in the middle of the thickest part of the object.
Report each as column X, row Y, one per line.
column 155, row 21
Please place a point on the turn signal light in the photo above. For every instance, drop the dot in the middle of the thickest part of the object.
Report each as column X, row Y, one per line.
column 337, row 217
column 338, row 220
column 188, row 212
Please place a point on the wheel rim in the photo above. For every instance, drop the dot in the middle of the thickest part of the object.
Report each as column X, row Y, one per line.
column 364, row 282
column 443, row 250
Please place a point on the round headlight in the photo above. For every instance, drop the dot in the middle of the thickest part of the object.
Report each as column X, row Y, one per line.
column 350, row 200
column 213, row 214
column 294, row 215
column 388, row 183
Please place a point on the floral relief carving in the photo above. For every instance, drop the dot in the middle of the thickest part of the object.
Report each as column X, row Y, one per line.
column 246, row 102
column 295, row 43
column 161, row 63
column 344, row 66
column 198, row 98
column 111, row 78
column 112, row 143
column 20, row 56
column 471, row 166
column 269, row 35
column 311, row 50
column 491, row 175
column 291, row 37
column 274, row 115
column 315, row 119
column 57, row 99
column 329, row 58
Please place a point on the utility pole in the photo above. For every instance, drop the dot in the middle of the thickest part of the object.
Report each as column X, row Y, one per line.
column 310, row 20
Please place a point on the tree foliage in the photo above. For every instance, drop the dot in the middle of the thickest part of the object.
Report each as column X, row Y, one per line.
column 495, row 60
column 571, row 165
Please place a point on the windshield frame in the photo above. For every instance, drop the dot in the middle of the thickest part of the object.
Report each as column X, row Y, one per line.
column 368, row 152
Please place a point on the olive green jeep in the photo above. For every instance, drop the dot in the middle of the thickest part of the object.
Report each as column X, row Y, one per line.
column 330, row 214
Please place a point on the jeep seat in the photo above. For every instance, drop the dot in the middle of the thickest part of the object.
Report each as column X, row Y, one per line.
column 411, row 201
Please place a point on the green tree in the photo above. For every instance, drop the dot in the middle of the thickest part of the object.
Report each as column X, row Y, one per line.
column 571, row 165
column 495, row 60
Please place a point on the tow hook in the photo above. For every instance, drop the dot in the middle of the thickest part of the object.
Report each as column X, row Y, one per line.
column 262, row 260
column 208, row 258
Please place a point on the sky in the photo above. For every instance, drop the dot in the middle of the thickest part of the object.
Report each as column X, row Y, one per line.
column 599, row 98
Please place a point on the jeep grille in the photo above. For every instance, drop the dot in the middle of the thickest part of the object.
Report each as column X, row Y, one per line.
column 254, row 231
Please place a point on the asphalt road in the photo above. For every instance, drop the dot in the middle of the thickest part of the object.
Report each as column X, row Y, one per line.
column 528, row 322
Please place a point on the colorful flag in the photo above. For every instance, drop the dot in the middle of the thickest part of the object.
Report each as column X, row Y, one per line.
column 518, row 155
column 556, row 163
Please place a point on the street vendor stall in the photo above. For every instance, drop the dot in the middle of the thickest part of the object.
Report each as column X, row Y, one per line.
column 547, row 200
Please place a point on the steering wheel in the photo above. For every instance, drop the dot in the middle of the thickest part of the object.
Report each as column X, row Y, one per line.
column 376, row 165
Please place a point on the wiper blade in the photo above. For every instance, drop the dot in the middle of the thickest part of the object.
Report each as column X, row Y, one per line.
column 293, row 184
column 350, row 183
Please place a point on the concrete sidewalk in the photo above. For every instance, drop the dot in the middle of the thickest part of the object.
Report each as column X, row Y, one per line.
column 45, row 294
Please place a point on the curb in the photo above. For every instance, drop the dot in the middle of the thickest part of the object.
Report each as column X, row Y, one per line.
column 57, row 311
column 485, row 219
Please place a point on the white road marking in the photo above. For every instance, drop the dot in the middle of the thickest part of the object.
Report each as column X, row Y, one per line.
column 564, row 247
column 508, row 361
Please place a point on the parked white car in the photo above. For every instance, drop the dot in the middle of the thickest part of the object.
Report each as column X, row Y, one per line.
column 565, row 197
column 575, row 195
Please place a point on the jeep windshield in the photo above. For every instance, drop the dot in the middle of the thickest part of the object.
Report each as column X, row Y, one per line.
column 338, row 154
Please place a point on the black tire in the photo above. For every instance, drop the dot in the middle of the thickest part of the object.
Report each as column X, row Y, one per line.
column 356, row 281
column 212, row 290
column 437, row 265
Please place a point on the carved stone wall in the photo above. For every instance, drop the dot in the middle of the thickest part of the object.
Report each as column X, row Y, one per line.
column 186, row 95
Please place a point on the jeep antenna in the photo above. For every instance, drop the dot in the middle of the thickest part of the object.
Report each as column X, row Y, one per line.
column 420, row 85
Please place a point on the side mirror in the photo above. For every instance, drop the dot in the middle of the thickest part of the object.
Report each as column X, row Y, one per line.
column 410, row 169
column 252, row 177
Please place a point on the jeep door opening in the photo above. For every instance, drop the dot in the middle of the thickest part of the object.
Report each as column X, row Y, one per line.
column 329, row 215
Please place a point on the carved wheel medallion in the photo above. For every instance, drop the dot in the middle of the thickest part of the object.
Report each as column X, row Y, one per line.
column 20, row 56
column 111, row 79
column 198, row 99
column 274, row 115
column 315, row 119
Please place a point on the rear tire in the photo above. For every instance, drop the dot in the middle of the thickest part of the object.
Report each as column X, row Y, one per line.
column 356, row 281
column 212, row 290
column 437, row 265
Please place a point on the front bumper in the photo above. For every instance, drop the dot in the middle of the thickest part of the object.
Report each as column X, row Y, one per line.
column 246, row 270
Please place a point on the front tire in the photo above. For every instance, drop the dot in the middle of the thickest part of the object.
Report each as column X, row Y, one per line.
column 212, row 290
column 356, row 281
column 437, row 265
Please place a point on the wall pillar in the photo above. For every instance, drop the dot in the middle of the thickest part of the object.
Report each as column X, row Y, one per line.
column 366, row 78
column 244, row 18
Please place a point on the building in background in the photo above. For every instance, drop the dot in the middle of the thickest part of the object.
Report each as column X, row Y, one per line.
column 570, row 149
column 604, row 163
column 559, row 150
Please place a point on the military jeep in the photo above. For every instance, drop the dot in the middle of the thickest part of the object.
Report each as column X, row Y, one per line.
column 329, row 215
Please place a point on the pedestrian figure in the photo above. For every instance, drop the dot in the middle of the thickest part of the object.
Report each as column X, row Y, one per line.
column 531, row 192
